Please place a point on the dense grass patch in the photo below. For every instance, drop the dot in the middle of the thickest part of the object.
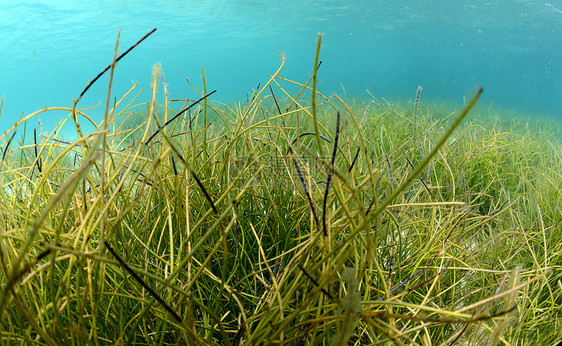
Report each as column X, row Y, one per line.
column 248, row 224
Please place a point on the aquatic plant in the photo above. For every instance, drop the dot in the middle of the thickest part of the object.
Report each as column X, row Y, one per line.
column 227, row 225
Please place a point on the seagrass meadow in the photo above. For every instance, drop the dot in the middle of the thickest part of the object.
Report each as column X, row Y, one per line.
column 287, row 218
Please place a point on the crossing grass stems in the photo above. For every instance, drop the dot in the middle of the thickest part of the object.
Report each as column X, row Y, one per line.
column 129, row 234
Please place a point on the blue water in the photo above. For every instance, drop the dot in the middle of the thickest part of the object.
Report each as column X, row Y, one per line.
column 50, row 49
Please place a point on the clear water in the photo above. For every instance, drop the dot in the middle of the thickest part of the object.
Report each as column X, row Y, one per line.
column 50, row 49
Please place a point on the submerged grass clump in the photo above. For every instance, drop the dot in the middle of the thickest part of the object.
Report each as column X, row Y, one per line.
column 226, row 225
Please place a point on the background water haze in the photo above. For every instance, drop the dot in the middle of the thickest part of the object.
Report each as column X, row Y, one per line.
column 51, row 49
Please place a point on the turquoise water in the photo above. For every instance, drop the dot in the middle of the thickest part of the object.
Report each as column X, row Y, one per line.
column 51, row 49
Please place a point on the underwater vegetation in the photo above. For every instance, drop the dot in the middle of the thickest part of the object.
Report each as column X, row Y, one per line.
column 280, row 220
